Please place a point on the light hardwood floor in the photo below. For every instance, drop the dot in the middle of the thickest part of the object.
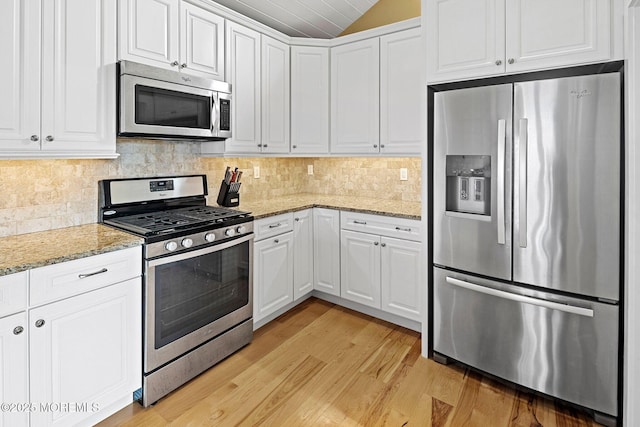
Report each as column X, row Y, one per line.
column 321, row 364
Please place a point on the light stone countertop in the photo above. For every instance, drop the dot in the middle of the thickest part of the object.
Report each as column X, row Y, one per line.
column 296, row 202
column 26, row 251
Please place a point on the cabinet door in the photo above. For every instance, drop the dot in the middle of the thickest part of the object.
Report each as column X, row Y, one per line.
column 465, row 38
column 326, row 251
column 401, row 277
column 275, row 96
column 309, row 99
column 360, row 267
column 273, row 274
column 20, row 75
column 149, row 32
column 577, row 31
column 401, row 92
column 302, row 253
column 14, row 368
column 243, row 72
column 79, row 77
column 201, row 42
column 355, row 97
column 87, row 352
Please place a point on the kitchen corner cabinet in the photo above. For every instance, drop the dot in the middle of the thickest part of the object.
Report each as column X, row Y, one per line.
column 243, row 48
column 326, row 249
column 58, row 82
column 275, row 75
column 174, row 35
column 302, row 253
column 355, row 97
column 309, row 100
column 471, row 38
column 82, row 326
column 381, row 263
column 273, row 265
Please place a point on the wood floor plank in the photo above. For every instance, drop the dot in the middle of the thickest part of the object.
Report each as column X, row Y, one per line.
column 324, row 365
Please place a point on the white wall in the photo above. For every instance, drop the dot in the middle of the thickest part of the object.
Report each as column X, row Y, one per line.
column 631, row 410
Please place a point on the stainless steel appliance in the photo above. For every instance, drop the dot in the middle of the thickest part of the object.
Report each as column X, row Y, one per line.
column 527, row 234
column 198, row 280
column 157, row 103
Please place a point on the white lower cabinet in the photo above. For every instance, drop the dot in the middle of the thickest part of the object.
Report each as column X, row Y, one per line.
column 302, row 253
column 83, row 353
column 326, row 251
column 381, row 263
column 273, row 265
column 73, row 354
column 14, row 369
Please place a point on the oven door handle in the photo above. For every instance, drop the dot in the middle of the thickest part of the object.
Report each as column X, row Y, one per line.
column 204, row 251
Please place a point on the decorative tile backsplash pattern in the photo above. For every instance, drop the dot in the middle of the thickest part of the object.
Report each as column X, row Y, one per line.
column 38, row 195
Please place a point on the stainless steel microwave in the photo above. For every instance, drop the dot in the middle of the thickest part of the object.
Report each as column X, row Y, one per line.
column 157, row 103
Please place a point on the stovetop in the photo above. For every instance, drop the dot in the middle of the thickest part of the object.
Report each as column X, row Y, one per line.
column 175, row 220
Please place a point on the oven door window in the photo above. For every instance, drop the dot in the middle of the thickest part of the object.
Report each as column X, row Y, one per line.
column 194, row 292
column 162, row 107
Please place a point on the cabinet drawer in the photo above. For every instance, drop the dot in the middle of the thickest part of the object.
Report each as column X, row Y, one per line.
column 399, row 228
column 273, row 225
column 13, row 293
column 66, row 279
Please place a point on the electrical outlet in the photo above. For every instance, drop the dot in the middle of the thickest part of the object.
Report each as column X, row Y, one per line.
column 403, row 174
column 309, row 169
column 256, row 171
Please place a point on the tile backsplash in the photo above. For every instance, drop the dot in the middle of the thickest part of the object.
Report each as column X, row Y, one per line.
column 38, row 195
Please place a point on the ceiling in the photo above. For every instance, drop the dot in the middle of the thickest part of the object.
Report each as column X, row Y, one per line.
column 302, row 18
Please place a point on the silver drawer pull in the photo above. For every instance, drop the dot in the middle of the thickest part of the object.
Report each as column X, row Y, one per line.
column 275, row 225
column 521, row 298
column 355, row 221
column 85, row 275
column 407, row 229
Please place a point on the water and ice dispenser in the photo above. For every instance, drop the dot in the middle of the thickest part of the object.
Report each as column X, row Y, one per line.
column 469, row 184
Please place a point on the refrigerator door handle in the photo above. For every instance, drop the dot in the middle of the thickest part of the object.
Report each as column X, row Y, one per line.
column 522, row 183
column 520, row 298
column 501, row 177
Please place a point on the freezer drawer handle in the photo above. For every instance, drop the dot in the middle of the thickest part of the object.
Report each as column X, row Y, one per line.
column 501, row 177
column 521, row 298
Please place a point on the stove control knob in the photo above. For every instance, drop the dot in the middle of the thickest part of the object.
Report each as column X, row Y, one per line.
column 241, row 229
column 209, row 237
column 187, row 243
column 229, row 232
column 171, row 246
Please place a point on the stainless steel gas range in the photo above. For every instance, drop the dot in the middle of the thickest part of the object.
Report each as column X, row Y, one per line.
column 197, row 278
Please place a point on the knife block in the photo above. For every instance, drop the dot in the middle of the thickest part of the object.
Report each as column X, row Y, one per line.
column 228, row 195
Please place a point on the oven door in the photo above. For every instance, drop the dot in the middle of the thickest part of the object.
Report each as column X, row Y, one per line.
column 195, row 296
column 154, row 107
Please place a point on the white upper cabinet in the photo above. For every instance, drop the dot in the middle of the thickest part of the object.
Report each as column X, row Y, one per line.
column 275, row 96
column 355, row 99
column 59, row 84
column 174, row 35
column 309, row 100
column 243, row 72
column 479, row 38
column 401, row 92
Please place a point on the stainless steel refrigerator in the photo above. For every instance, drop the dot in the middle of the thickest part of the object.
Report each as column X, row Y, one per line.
column 526, row 234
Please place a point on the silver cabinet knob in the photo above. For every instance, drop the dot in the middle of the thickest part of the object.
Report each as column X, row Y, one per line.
column 259, row 145
column 297, row 219
column 383, row 244
column 276, row 241
column 499, row 62
column 35, row 138
column 511, row 61
column 49, row 138
column 39, row 323
column 264, row 145
column 183, row 65
column 375, row 145
column 376, row 243
column 381, row 145
column 18, row 330
column 294, row 146
column 174, row 63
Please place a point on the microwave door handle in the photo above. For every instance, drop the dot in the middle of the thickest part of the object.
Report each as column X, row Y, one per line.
column 214, row 113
